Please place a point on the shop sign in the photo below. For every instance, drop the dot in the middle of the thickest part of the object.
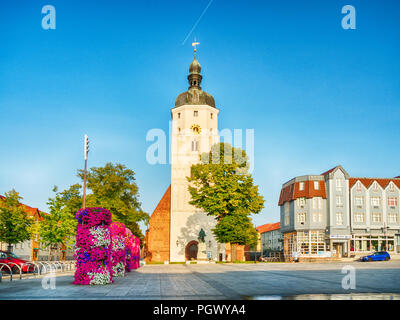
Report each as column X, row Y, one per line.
column 340, row 236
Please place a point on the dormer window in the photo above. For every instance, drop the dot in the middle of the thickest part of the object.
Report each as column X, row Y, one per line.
column 316, row 185
column 375, row 186
column 301, row 186
column 391, row 187
column 358, row 186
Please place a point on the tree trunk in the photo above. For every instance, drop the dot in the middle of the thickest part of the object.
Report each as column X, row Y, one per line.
column 9, row 247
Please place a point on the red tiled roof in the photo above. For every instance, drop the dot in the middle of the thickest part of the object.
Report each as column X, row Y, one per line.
column 29, row 210
column 268, row 227
column 329, row 171
column 292, row 192
column 368, row 181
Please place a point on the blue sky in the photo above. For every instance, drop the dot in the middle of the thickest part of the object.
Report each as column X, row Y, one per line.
column 315, row 94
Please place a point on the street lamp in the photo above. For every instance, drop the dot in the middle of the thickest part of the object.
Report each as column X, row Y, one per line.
column 385, row 230
column 86, row 151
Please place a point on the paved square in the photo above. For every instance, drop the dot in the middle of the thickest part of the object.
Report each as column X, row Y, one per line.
column 220, row 281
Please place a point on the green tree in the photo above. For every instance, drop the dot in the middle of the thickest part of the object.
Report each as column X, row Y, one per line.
column 15, row 225
column 220, row 183
column 59, row 226
column 222, row 186
column 113, row 187
column 237, row 229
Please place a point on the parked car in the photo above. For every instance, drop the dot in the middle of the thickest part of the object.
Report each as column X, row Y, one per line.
column 13, row 261
column 377, row 256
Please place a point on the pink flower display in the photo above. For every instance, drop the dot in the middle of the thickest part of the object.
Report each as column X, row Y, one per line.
column 128, row 248
column 118, row 252
column 93, row 247
column 132, row 245
column 136, row 253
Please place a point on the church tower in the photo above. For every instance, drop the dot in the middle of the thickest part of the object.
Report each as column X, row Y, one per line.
column 175, row 225
column 194, row 131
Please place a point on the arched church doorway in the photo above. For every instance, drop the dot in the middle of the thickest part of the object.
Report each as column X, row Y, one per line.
column 191, row 250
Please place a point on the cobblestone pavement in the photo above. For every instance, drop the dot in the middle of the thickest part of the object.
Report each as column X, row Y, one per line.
column 220, row 281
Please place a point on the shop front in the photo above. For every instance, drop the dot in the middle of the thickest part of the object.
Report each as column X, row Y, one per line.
column 305, row 244
column 370, row 243
column 339, row 245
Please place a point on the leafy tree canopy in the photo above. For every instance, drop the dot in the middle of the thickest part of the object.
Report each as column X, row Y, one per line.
column 220, row 184
column 15, row 224
column 113, row 187
column 59, row 226
column 236, row 228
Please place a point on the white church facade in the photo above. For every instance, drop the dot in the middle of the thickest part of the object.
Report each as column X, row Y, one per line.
column 175, row 225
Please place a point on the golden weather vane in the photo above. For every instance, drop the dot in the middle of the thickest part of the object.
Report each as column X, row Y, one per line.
column 194, row 44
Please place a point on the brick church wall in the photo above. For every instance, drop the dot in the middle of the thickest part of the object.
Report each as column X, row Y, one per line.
column 159, row 229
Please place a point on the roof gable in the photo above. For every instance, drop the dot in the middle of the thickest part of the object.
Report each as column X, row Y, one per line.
column 367, row 182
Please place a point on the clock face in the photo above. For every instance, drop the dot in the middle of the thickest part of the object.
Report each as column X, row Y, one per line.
column 196, row 128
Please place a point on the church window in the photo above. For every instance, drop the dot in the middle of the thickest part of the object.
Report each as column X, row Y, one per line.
column 211, row 115
column 195, row 113
column 195, row 145
column 179, row 115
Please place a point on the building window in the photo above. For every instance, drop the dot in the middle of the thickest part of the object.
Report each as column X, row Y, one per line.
column 393, row 218
column 375, row 201
column 316, row 185
column 359, row 217
column 339, row 201
column 211, row 115
column 359, row 201
column 312, row 242
column 195, row 145
column 376, row 217
column 286, row 207
column 301, row 202
column 179, row 115
column 301, row 186
column 391, row 187
column 358, row 186
column 317, row 203
column 317, row 217
column 339, row 185
column 195, row 113
column 392, row 202
column 301, row 217
column 375, row 186
column 287, row 218
column 339, row 218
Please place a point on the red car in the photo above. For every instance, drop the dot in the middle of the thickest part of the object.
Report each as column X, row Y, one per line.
column 12, row 260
